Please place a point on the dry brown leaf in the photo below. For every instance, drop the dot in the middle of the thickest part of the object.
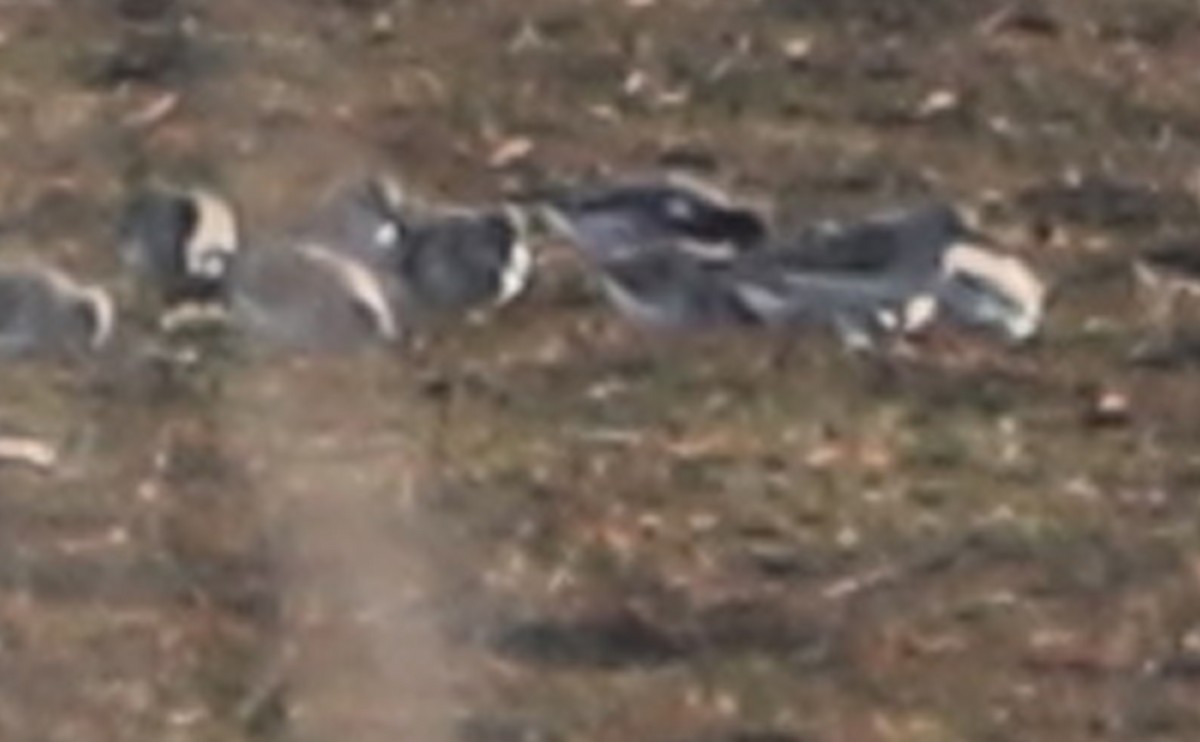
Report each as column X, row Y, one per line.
column 939, row 102
column 825, row 455
column 510, row 151
column 699, row 446
column 637, row 81
column 797, row 49
column 28, row 451
column 154, row 111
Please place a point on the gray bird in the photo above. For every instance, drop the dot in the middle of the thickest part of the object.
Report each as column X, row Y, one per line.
column 662, row 286
column 890, row 272
column 862, row 278
column 46, row 313
column 861, row 309
column 451, row 261
column 907, row 245
column 179, row 240
column 608, row 220
column 431, row 259
column 1168, row 273
column 305, row 296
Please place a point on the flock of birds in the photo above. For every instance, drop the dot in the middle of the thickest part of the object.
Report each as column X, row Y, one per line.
column 373, row 260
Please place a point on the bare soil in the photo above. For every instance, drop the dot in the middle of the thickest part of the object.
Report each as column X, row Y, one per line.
column 545, row 525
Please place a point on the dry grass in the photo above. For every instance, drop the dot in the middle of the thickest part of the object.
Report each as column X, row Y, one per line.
column 550, row 527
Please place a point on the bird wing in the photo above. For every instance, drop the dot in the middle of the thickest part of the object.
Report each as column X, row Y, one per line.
column 908, row 241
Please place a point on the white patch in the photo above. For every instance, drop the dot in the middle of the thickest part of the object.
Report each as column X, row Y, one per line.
column 1147, row 276
column 853, row 334
column 516, row 274
column 59, row 284
column 709, row 252
column 700, row 188
column 519, row 269
column 387, row 236
column 28, row 451
column 762, row 301
column 104, row 315
column 1009, row 277
column 557, row 223
column 65, row 289
column 918, row 312
column 215, row 239
column 211, row 263
column 363, row 287
column 391, row 190
column 193, row 315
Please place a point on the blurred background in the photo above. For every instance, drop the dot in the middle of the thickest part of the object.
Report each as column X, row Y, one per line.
column 546, row 525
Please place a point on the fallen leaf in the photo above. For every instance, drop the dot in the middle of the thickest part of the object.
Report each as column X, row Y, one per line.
column 938, row 102
column 1106, row 407
column 635, row 82
column 153, row 112
column 29, row 451
column 797, row 50
column 510, row 151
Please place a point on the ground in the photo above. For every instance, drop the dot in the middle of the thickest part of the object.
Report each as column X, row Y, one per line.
column 546, row 525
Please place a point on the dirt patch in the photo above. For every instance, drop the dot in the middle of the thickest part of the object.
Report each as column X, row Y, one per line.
column 548, row 526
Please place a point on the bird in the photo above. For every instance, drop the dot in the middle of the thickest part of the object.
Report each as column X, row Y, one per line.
column 861, row 309
column 906, row 244
column 454, row 260
column 46, row 313
column 1177, row 259
column 859, row 277
column 305, row 296
column 1169, row 272
column 606, row 221
column 433, row 259
column 663, row 287
column 180, row 240
column 891, row 272
column 866, row 277
column 1167, row 281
